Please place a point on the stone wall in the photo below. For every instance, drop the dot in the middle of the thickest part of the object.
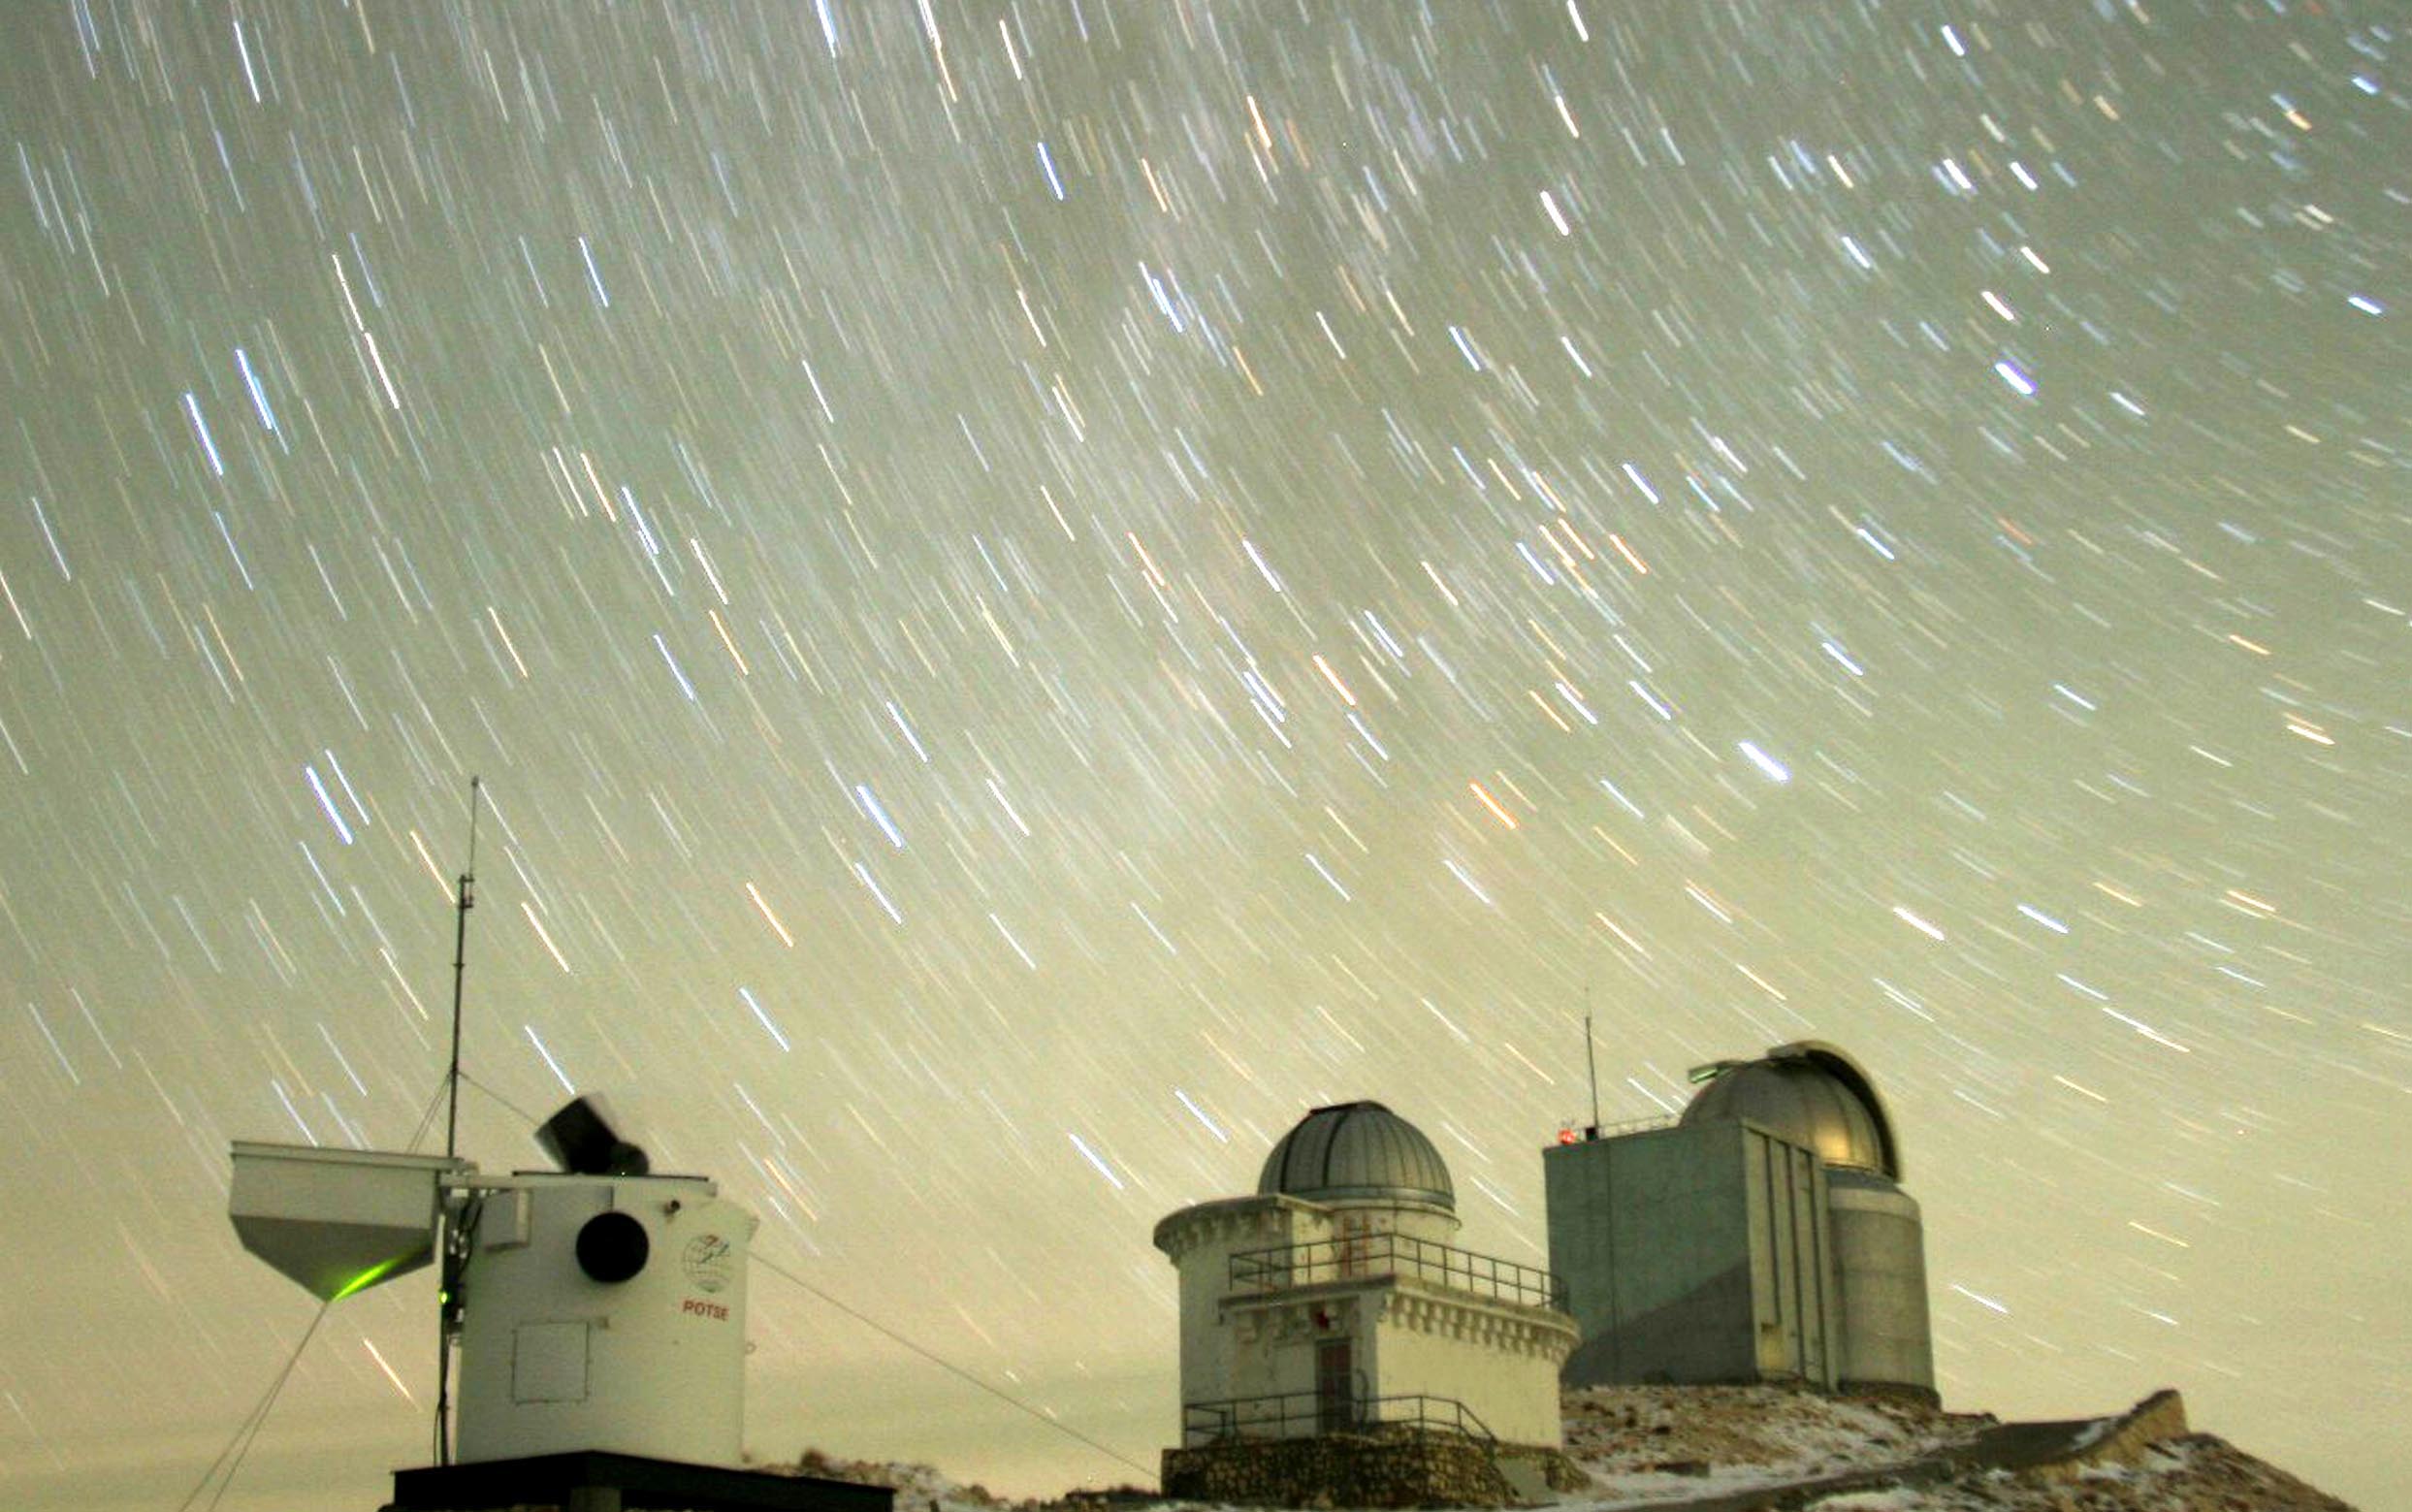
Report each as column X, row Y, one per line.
column 1399, row 1466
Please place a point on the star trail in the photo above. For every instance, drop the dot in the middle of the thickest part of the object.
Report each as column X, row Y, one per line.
column 1037, row 588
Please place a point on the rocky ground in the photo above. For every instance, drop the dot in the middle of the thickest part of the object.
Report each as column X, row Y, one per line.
column 918, row 1488
column 1764, row 1449
column 2196, row 1473
column 1658, row 1442
column 1739, row 1447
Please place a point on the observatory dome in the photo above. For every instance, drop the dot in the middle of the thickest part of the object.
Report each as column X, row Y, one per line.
column 1358, row 1153
column 1812, row 1094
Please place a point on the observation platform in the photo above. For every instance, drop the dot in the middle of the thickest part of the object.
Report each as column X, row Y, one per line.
column 1373, row 1257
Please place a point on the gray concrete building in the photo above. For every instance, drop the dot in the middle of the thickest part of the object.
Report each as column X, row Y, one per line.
column 1761, row 1237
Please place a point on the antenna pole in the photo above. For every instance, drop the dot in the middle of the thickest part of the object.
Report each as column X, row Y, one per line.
column 465, row 899
column 1590, row 1058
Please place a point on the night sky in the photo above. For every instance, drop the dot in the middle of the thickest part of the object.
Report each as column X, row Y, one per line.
column 1039, row 588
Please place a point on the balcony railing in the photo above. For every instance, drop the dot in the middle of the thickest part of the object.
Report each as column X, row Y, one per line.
column 1643, row 1125
column 1303, row 1414
column 1364, row 1257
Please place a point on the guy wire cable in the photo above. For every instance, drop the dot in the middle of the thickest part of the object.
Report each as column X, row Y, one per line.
column 998, row 1392
column 249, row 1429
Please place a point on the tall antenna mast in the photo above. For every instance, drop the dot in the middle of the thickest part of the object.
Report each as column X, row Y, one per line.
column 1590, row 1058
column 465, row 899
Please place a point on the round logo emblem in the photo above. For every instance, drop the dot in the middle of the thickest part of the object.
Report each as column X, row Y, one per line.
column 708, row 1262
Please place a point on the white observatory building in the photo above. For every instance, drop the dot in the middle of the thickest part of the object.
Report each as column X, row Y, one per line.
column 600, row 1312
column 1762, row 1236
column 1332, row 1305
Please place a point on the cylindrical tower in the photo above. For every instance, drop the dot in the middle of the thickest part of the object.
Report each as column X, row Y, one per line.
column 1880, row 1262
column 1813, row 1095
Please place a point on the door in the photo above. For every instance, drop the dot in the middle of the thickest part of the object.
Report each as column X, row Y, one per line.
column 1335, row 1387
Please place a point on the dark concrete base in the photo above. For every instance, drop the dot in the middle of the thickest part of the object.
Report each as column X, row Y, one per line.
column 595, row 1480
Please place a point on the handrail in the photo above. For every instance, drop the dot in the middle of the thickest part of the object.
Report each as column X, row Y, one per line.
column 1575, row 1132
column 1301, row 1414
column 1389, row 1253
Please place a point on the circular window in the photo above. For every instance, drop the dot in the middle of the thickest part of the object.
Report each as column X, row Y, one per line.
column 612, row 1247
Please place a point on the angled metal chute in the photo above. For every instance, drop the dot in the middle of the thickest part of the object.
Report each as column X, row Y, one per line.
column 338, row 1221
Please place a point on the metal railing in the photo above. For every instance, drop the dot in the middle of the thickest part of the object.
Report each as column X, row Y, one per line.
column 1360, row 1257
column 1575, row 1132
column 1303, row 1414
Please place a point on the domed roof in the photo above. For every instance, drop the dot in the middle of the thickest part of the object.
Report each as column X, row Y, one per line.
column 1358, row 1153
column 1812, row 1094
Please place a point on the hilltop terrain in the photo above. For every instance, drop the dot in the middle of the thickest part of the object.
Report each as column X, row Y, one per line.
column 1736, row 1448
column 1746, row 1448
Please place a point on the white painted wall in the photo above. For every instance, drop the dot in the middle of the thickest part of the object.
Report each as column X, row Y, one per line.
column 1200, row 1240
column 1499, row 1360
column 552, row 1361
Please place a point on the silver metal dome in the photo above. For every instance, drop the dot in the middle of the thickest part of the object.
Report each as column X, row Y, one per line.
column 1810, row 1093
column 1358, row 1153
